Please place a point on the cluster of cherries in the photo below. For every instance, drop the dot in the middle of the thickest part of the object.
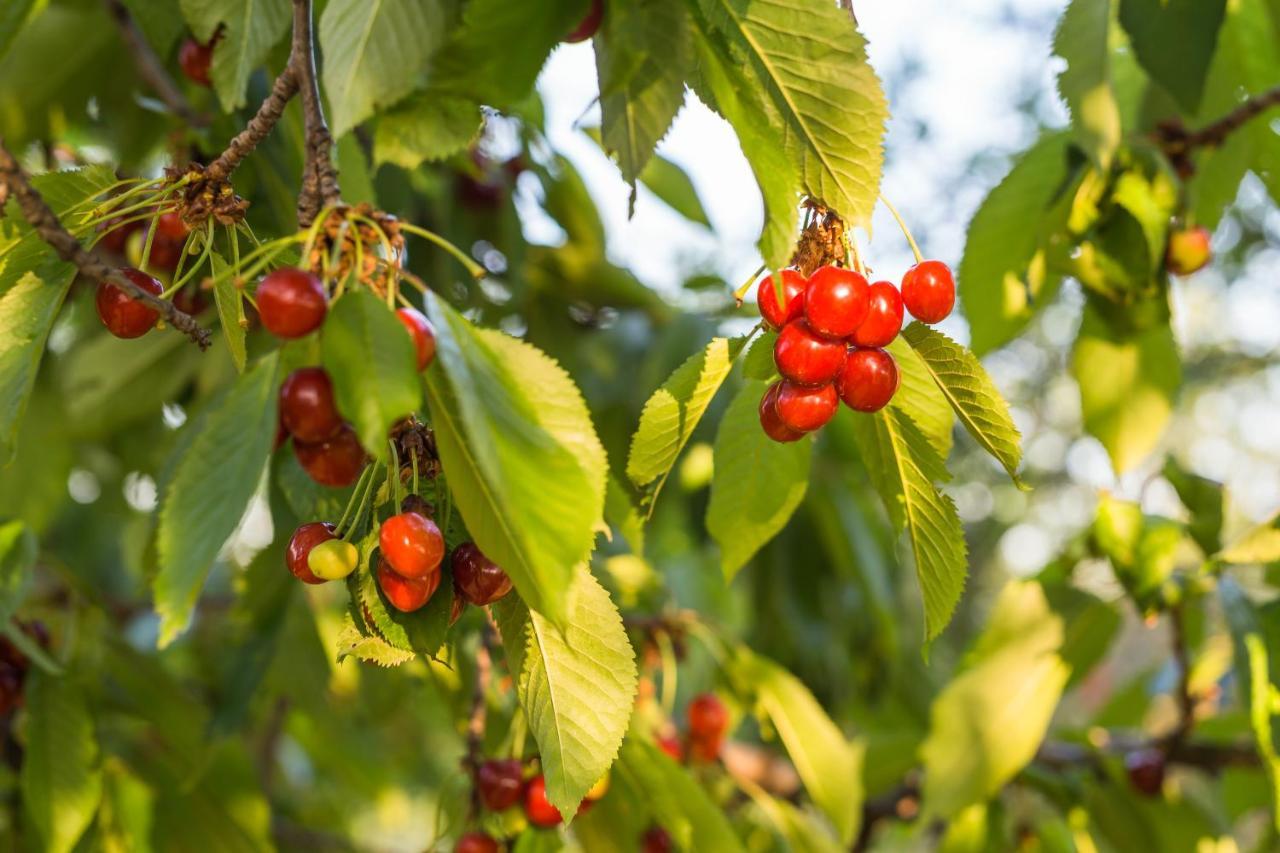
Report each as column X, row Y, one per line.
column 122, row 314
column 832, row 330
column 14, row 666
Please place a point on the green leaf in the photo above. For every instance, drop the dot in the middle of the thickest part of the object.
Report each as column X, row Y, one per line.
column 621, row 513
column 1127, row 386
column 829, row 764
column 426, row 128
column 369, row 648
column 1004, row 277
column 212, row 484
column 904, row 467
column 374, row 53
column 1083, row 40
column 61, row 778
column 371, row 361
column 971, row 393
column 12, row 16
column 231, row 316
column 809, row 59
column 159, row 25
column 576, row 687
column 1174, row 40
column 521, row 454
column 672, row 186
column 987, row 724
column 920, row 398
column 799, row 830
column 17, row 559
column 1258, row 545
column 1204, row 500
column 758, row 362
column 757, row 483
column 250, row 29
column 1261, row 710
column 1151, row 202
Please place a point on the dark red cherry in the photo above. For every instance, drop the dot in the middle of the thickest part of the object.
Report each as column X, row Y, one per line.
column 477, row 578
column 411, row 544
column 303, row 540
column 476, row 842
column 884, row 316
column 804, row 408
column 306, row 405
column 194, row 59
column 589, row 25
column 869, row 380
column 537, row 808
column 1145, row 768
column 169, row 242
column 122, row 314
column 424, row 336
column 708, row 717
column 792, row 308
column 291, row 302
column 115, row 234
column 336, row 462
column 500, row 783
column 656, row 840
column 705, row 749
column 807, row 358
column 406, row 594
column 835, row 302
column 929, row 291
column 771, row 423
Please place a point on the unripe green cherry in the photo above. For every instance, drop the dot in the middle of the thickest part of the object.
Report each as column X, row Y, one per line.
column 333, row 560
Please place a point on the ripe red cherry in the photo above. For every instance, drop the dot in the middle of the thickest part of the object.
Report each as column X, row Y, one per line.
column 537, row 808
column 479, row 580
column 807, row 358
column 406, row 594
column 705, row 749
column 869, row 380
column 122, row 314
column 771, row 423
column 336, row 463
column 291, row 302
column 929, row 291
column 424, row 336
column 412, row 544
column 708, row 717
column 656, row 840
column 115, row 234
column 301, row 542
column 476, row 842
column 1188, row 250
column 884, row 316
column 835, row 301
column 306, row 405
column 500, row 783
column 590, row 24
column 777, row 315
column 194, row 59
column 169, row 241
column 1145, row 768
column 671, row 746
column 805, row 409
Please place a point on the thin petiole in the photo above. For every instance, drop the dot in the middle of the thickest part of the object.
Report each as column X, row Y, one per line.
column 906, row 232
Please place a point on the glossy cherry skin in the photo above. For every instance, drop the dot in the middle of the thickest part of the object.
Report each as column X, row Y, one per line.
column 835, row 301
column 500, row 783
column 929, row 291
column 336, row 462
column 301, row 542
column 771, row 423
column 291, row 302
column 122, row 314
column 537, row 808
column 194, row 59
column 708, row 717
column 656, row 840
column 807, row 358
column 775, row 314
column 478, row 579
column 1145, row 768
column 884, row 316
column 424, row 336
column 406, row 594
column 869, row 380
column 412, row 544
column 169, row 241
column 306, row 405
column 1188, row 250
column 476, row 842
column 803, row 408
column 590, row 25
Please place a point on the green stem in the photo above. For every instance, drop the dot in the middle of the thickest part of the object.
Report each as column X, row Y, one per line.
column 473, row 268
column 906, row 232
column 746, row 287
column 353, row 501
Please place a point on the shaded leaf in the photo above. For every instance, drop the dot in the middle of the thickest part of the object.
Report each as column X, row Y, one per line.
column 61, row 778
column 231, row 315
column 18, row 548
column 1174, row 40
column 250, row 28
column 1083, row 40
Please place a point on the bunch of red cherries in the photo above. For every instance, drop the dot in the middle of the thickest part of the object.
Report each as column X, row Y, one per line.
column 832, row 330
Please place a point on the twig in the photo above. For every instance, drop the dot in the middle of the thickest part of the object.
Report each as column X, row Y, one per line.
column 284, row 88
column 319, row 176
column 150, row 68
column 1182, row 659
column 1178, row 142
column 476, row 721
column 46, row 224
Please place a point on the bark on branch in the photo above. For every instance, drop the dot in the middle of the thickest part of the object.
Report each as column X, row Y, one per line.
column 1178, row 142
column 319, row 176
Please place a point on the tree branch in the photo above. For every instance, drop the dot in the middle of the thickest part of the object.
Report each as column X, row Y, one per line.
column 150, row 68
column 479, row 708
column 1182, row 659
column 319, row 177
column 1178, row 142
column 46, row 224
column 284, row 88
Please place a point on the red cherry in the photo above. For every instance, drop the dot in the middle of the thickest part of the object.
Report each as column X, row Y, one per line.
column 191, row 299
column 777, row 315
column 336, row 463
column 705, row 749
column 291, row 302
column 424, row 336
column 672, row 747
column 476, row 577
column 835, row 301
column 708, row 717
column 884, row 316
column 301, row 542
column 590, row 24
column 122, row 314
column 194, row 59
column 929, row 291
column 656, row 840
column 1188, row 250
column 306, row 405
column 1146, row 771
column 412, row 544
column 115, row 234
column 771, row 423
column 169, row 242
column 500, row 783
column 807, row 358
column 869, row 380
column 805, row 409
column 476, row 842
column 406, row 594
column 537, row 808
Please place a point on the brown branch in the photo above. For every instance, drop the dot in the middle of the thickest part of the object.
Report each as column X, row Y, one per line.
column 1177, row 142
column 319, row 176
column 149, row 66
column 1182, row 659
column 479, row 711
column 284, row 88
column 46, row 224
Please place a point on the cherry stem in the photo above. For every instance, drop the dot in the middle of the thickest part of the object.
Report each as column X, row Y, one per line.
column 851, row 251
column 473, row 268
column 413, row 455
column 906, row 232
column 394, row 473
column 746, row 287
column 352, row 501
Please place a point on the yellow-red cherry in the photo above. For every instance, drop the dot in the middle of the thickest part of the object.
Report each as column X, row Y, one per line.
column 303, row 540
column 589, row 25
column 291, row 302
column 124, row 315
column 537, row 808
column 805, row 408
column 805, row 357
column 835, row 301
column 423, row 334
column 771, row 423
column 884, row 316
column 306, row 405
column 412, row 544
column 1188, row 250
column 476, row 842
column 335, row 462
column 194, row 59
column 777, row 314
column 708, row 717
column 869, row 380
column 500, row 783
column 478, row 579
column 929, row 291
column 406, row 594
